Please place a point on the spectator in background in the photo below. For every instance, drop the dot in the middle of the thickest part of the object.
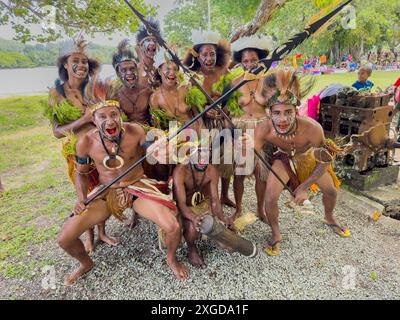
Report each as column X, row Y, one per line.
column 323, row 60
column 363, row 74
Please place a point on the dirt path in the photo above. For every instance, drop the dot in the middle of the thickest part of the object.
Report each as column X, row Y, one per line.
column 314, row 264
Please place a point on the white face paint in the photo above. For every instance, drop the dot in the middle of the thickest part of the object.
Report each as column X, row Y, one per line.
column 109, row 122
column 127, row 72
column 283, row 118
column 77, row 66
column 149, row 47
column 207, row 57
column 169, row 73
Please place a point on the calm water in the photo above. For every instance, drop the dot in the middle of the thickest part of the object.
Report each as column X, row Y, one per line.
column 34, row 81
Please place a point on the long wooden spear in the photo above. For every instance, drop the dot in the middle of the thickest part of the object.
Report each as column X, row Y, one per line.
column 264, row 65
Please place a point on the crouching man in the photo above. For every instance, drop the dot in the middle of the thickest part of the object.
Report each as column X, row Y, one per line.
column 196, row 194
column 304, row 156
column 113, row 147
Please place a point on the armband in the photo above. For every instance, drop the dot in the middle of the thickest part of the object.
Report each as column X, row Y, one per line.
column 83, row 160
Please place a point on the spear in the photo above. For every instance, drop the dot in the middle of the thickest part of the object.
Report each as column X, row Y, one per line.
column 264, row 66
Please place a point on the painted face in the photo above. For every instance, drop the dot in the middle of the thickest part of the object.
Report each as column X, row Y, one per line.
column 109, row 122
column 77, row 66
column 169, row 73
column 149, row 47
column 283, row 118
column 207, row 57
column 249, row 59
column 203, row 157
column 128, row 73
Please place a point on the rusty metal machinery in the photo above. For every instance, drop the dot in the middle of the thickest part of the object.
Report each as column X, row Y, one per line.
column 362, row 119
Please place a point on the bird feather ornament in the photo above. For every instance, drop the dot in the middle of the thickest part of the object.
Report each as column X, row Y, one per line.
column 264, row 43
column 202, row 37
column 77, row 44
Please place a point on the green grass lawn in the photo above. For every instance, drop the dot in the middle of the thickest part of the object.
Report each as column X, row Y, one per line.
column 381, row 79
column 39, row 195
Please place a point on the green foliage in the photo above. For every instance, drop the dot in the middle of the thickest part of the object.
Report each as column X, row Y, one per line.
column 70, row 16
column 233, row 101
column 196, row 98
column 14, row 59
column 16, row 55
column 160, row 118
column 62, row 113
column 226, row 16
column 377, row 24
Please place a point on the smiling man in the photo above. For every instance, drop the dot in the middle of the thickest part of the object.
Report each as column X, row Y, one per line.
column 112, row 148
column 133, row 96
column 303, row 158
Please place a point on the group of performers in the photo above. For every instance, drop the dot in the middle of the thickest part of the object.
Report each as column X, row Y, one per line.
column 104, row 127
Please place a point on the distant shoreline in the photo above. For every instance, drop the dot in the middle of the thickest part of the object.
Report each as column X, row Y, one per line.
column 27, row 68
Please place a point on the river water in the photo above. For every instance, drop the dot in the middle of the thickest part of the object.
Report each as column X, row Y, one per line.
column 34, row 81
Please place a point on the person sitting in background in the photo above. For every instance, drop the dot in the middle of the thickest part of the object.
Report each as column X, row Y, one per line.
column 363, row 74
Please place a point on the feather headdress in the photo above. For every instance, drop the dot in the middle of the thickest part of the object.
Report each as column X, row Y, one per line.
column 101, row 94
column 262, row 45
column 77, row 44
column 287, row 87
column 142, row 32
column 125, row 52
column 200, row 38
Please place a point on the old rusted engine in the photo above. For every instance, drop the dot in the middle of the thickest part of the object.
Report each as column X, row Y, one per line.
column 364, row 120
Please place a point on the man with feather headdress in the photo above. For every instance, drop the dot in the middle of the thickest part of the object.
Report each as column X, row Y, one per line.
column 112, row 148
column 68, row 110
column 147, row 48
column 304, row 156
column 133, row 97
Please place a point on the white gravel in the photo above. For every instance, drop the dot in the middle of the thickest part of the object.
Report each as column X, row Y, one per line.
column 314, row 263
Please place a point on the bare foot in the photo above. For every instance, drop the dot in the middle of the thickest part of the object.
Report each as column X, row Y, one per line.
column 180, row 271
column 228, row 202
column 331, row 220
column 74, row 276
column 274, row 239
column 109, row 240
column 237, row 213
column 195, row 258
column 132, row 222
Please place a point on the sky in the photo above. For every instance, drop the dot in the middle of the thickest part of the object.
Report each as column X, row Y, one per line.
column 165, row 6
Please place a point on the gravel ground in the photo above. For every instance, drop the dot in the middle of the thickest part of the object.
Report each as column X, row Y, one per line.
column 314, row 263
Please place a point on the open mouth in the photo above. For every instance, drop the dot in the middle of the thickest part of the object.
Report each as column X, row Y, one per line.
column 130, row 79
column 111, row 131
column 171, row 78
column 209, row 64
column 152, row 51
column 283, row 128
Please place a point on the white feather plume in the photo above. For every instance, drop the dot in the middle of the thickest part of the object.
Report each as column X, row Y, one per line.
column 203, row 37
column 254, row 41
